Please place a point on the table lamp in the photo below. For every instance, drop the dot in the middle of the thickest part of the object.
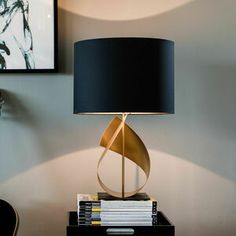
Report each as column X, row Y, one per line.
column 124, row 76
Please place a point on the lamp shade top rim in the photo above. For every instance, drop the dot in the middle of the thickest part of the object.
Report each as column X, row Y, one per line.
column 123, row 38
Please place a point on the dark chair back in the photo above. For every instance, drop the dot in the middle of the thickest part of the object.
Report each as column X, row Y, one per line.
column 9, row 219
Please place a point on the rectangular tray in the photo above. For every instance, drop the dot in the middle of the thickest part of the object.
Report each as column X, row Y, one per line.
column 163, row 228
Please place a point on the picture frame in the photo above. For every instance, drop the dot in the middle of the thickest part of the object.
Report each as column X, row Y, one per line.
column 28, row 36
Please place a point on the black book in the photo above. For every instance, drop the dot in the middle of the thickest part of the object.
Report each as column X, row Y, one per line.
column 137, row 196
column 89, row 203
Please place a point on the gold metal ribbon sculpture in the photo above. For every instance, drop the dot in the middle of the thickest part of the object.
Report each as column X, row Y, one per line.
column 120, row 138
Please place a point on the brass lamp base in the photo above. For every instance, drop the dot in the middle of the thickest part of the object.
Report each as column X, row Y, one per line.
column 136, row 197
column 120, row 138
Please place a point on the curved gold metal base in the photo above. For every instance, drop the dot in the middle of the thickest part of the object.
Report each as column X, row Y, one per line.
column 120, row 138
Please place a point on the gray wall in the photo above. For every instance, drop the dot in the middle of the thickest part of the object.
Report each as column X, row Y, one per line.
column 47, row 154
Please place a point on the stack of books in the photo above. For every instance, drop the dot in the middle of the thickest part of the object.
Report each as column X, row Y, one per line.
column 94, row 212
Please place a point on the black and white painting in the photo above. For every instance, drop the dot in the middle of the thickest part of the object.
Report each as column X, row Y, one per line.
column 27, row 35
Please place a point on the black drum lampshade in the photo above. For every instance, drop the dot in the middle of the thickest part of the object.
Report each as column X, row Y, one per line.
column 131, row 75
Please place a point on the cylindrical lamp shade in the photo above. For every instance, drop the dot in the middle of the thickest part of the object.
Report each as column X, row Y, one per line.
column 124, row 75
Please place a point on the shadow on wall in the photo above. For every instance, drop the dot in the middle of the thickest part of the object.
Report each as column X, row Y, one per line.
column 197, row 132
column 15, row 110
column 15, row 114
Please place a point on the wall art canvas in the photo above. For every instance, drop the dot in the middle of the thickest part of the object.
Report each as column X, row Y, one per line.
column 28, row 35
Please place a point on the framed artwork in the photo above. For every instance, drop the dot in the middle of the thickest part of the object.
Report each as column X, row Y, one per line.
column 28, row 36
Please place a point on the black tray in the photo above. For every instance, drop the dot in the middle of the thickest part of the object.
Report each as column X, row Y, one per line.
column 163, row 228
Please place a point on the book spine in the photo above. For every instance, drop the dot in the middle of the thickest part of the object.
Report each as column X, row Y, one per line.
column 117, row 223
column 153, row 218
column 126, row 204
column 116, row 210
column 126, row 213
column 125, row 223
column 89, row 203
column 90, row 223
column 90, row 219
column 89, row 209
column 151, row 210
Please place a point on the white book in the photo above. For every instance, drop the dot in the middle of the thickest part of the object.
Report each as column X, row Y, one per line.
column 127, row 209
column 127, row 203
column 125, row 223
column 126, row 213
column 112, row 219
column 141, row 210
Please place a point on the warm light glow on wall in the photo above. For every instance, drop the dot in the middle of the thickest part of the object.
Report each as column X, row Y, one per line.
column 49, row 189
column 122, row 9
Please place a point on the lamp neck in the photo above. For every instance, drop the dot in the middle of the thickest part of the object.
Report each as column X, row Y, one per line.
column 124, row 116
